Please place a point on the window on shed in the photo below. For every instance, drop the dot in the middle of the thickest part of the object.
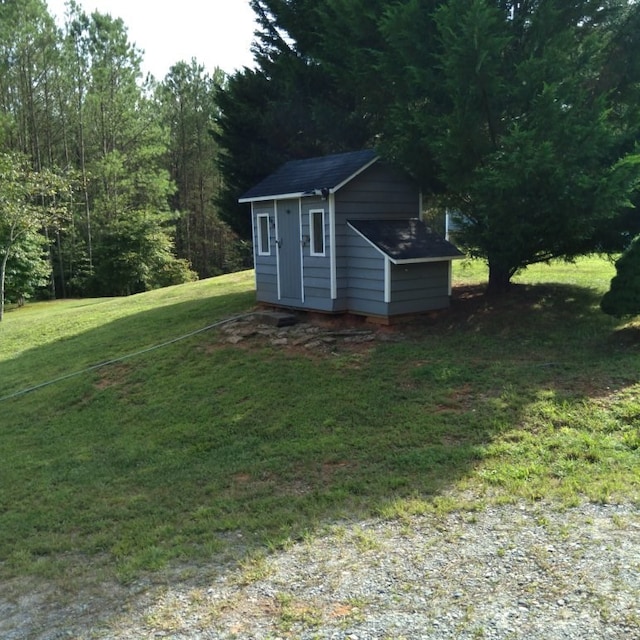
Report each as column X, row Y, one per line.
column 264, row 235
column 316, row 229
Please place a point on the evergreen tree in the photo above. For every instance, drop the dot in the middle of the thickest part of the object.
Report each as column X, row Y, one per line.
column 75, row 97
column 623, row 297
column 28, row 58
column 289, row 107
column 121, row 147
column 520, row 116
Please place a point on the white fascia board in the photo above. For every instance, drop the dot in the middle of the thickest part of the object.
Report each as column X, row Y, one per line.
column 387, row 280
column 435, row 259
column 278, row 196
column 254, row 245
column 356, row 173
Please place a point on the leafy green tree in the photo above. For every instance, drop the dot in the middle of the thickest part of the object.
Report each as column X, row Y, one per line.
column 509, row 104
column 28, row 270
column 121, row 150
column 136, row 254
column 623, row 297
column 29, row 202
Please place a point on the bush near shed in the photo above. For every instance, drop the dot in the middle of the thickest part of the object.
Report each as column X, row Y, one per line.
column 623, row 297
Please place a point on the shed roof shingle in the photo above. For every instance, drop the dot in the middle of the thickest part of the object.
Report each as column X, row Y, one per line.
column 406, row 240
column 298, row 177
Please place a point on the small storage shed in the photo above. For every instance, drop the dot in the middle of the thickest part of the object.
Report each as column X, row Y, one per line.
column 342, row 233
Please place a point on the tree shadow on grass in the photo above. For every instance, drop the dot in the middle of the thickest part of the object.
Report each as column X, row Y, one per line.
column 204, row 450
column 556, row 327
column 77, row 351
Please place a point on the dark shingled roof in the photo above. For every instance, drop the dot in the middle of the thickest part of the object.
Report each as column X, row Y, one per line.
column 299, row 177
column 406, row 240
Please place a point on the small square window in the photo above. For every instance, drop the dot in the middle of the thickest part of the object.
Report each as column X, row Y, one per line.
column 264, row 235
column 316, row 228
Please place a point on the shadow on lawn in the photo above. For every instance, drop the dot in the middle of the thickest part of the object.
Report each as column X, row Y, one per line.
column 182, row 451
column 115, row 339
column 543, row 313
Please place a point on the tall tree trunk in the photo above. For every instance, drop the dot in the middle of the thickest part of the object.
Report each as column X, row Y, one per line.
column 63, row 286
column 52, row 277
column 499, row 279
column 83, row 166
column 3, row 270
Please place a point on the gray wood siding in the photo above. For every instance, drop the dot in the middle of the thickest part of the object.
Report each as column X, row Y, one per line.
column 381, row 193
column 364, row 285
column 265, row 266
column 419, row 287
column 316, row 269
column 378, row 192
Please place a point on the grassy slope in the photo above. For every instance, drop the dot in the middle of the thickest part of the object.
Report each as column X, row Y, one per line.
column 162, row 456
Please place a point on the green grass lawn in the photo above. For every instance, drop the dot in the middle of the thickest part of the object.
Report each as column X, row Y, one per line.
column 175, row 453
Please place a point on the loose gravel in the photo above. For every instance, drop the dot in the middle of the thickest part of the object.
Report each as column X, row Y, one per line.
column 525, row 571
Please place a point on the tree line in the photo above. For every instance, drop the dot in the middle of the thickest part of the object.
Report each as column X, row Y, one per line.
column 522, row 117
column 135, row 158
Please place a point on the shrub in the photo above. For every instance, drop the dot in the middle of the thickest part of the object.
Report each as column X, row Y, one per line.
column 623, row 297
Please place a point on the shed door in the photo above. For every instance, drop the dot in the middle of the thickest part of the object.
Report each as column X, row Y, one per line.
column 289, row 251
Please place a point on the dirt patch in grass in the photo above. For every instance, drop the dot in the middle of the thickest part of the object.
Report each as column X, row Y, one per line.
column 112, row 376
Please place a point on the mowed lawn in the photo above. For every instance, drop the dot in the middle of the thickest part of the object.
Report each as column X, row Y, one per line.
column 176, row 454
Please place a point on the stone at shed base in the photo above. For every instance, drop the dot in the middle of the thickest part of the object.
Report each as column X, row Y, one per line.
column 276, row 318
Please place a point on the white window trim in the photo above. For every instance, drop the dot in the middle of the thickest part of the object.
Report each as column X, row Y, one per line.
column 259, row 234
column 312, row 242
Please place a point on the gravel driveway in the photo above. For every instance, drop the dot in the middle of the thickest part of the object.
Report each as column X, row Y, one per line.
column 518, row 571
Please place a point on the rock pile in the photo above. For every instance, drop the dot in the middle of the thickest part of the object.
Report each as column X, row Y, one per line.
column 307, row 334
